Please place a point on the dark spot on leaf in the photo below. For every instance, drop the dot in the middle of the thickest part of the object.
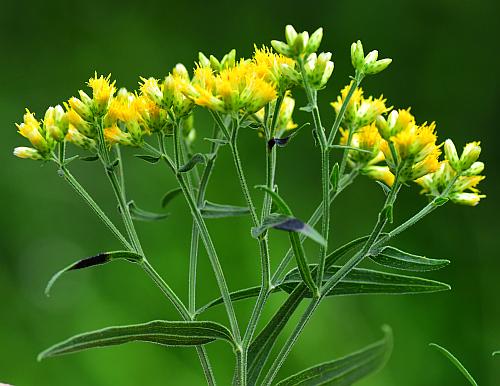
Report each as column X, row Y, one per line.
column 91, row 261
column 292, row 224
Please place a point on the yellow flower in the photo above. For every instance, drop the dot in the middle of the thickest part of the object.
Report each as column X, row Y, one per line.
column 464, row 190
column 236, row 88
column 80, row 124
column 360, row 111
column 102, row 91
column 269, row 66
column 32, row 130
column 379, row 173
column 151, row 89
column 114, row 135
column 368, row 140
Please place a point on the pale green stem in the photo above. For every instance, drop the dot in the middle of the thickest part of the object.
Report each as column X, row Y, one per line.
column 193, row 256
column 358, row 78
column 325, row 172
column 93, row 205
column 207, row 241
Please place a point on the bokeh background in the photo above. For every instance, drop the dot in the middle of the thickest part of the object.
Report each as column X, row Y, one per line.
column 445, row 66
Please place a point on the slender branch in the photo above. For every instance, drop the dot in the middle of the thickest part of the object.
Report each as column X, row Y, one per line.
column 94, row 206
column 207, row 241
column 193, row 256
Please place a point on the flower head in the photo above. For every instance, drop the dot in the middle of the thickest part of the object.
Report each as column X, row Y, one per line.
column 360, row 111
column 102, row 91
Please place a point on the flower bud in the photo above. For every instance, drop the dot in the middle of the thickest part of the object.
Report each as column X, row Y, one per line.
column 181, row 71
column 290, row 34
column 371, row 57
column 229, row 60
column 470, row 199
column 379, row 173
column 314, row 41
column 475, row 169
column 281, row 48
column 214, row 63
column 151, row 89
column 81, row 108
column 451, row 154
column 470, row 154
column 378, row 66
column 203, row 60
column 357, row 56
column 78, row 139
column 27, row 153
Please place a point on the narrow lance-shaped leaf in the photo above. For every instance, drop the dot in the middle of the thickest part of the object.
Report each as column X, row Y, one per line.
column 395, row 258
column 148, row 158
column 193, row 161
column 361, row 281
column 289, row 224
column 496, row 353
column 347, row 370
column 166, row 333
column 169, row 196
column 456, row 362
column 139, row 214
column 91, row 261
column 213, row 210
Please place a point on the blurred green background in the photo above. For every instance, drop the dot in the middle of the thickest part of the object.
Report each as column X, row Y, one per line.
column 445, row 66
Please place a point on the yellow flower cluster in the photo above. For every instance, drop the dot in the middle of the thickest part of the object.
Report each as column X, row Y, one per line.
column 408, row 150
column 460, row 175
column 360, row 111
column 43, row 135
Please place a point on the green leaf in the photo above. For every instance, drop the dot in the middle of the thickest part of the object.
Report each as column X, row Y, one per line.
column 455, row 361
column 90, row 158
column 361, row 281
column 165, row 333
column 395, row 258
column 148, row 158
column 193, row 161
column 347, row 370
column 217, row 141
column 242, row 294
column 139, row 214
column 169, row 196
column 213, row 210
column 91, row 261
column 263, row 344
column 290, row 224
column 384, row 187
column 350, row 148
column 495, row 353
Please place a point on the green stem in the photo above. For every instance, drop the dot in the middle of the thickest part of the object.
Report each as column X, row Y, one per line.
column 346, row 152
column 358, row 78
column 93, row 205
column 207, row 241
column 193, row 256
